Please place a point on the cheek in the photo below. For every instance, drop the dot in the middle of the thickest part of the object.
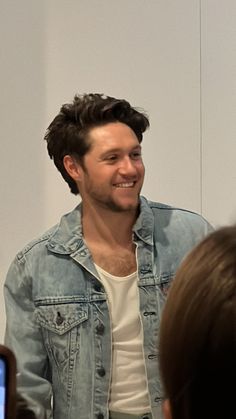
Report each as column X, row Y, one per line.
column 141, row 168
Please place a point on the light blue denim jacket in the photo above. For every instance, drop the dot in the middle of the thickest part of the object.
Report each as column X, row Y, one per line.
column 58, row 320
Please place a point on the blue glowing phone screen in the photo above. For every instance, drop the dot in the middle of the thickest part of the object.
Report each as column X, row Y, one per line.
column 2, row 388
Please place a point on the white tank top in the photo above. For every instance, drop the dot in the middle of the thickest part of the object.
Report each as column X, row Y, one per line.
column 128, row 393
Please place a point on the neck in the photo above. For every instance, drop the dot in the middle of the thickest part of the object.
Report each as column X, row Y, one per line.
column 104, row 225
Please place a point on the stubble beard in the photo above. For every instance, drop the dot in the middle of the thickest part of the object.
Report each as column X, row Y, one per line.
column 107, row 202
column 110, row 204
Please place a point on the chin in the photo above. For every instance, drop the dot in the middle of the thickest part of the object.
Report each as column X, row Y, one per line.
column 128, row 206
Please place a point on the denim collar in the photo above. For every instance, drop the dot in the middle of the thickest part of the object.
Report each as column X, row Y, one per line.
column 68, row 236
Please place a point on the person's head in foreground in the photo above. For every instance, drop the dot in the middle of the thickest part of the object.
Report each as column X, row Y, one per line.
column 198, row 333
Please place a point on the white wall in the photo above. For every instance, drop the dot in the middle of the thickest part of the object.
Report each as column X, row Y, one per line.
column 176, row 59
column 218, row 50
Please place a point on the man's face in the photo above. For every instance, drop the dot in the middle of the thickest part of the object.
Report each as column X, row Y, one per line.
column 113, row 172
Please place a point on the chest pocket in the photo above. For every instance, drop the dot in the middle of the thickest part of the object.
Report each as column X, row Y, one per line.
column 62, row 325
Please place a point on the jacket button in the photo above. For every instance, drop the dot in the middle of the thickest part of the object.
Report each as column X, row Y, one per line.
column 100, row 329
column 146, row 270
column 149, row 313
column 152, row 356
column 97, row 288
column 101, row 372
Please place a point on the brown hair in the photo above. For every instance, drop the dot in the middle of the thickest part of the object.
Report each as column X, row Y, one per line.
column 198, row 331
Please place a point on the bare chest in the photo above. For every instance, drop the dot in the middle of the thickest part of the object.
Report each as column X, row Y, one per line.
column 120, row 262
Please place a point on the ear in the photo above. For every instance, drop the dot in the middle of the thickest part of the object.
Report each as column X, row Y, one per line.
column 72, row 167
column 166, row 409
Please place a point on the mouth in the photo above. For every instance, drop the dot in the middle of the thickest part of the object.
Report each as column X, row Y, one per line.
column 125, row 185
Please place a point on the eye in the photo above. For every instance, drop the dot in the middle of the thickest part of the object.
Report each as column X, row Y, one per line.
column 136, row 155
column 112, row 158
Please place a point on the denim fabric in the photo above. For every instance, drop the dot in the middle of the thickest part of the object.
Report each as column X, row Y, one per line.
column 117, row 415
column 58, row 321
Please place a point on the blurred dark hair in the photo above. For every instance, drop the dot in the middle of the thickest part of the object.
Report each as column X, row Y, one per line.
column 198, row 331
column 68, row 132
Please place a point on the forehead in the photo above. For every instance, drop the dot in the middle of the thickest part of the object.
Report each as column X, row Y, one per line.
column 112, row 135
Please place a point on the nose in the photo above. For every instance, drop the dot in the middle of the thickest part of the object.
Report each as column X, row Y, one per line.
column 127, row 167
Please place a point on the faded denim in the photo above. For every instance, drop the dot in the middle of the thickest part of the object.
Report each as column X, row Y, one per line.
column 58, row 321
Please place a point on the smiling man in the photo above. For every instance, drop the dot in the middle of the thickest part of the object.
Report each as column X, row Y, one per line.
column 84, row 301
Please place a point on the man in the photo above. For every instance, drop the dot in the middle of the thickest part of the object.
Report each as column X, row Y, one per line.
column 84, row 301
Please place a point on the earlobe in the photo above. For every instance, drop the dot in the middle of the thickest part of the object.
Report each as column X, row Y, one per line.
column 166, row 409
column 72, row 167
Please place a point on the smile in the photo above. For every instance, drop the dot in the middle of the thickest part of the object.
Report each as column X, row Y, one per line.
column 124, row 185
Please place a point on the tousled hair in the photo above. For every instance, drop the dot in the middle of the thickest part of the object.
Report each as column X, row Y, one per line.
column 69, row 131
column 198, row 331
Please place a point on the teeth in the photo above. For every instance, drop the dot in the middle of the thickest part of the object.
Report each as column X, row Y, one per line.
column 125, row 185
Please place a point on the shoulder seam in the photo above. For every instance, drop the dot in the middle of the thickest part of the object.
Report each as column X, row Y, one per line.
column 34, row 243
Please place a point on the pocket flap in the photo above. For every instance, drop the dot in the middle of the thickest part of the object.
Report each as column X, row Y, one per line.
column 60, row 318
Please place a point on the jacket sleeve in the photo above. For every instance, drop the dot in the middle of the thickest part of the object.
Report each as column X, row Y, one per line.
column 24, row 337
